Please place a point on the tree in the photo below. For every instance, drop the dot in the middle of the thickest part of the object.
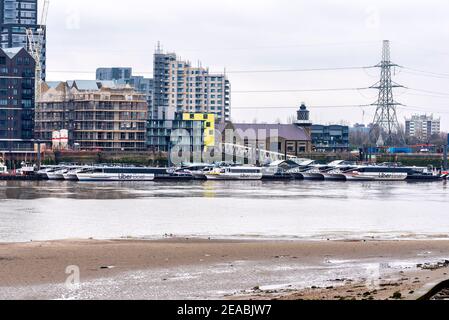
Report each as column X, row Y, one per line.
column 438, row 139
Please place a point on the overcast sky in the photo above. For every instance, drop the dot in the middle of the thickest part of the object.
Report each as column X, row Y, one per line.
column 266, row 35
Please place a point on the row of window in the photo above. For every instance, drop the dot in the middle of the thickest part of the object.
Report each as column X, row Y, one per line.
column 27, row 104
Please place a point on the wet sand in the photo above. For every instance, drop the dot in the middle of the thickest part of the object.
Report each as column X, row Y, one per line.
column 40, row 263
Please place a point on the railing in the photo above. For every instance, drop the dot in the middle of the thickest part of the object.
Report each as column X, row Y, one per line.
column 251, row 152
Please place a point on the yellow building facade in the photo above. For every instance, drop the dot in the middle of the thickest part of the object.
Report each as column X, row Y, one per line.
column 208, row 120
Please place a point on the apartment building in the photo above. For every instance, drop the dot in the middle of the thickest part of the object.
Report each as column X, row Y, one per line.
column 121, row 75
column 98, row 115
column 16, row 100
column 423, row 126
column 15, row 17
column 180, row 87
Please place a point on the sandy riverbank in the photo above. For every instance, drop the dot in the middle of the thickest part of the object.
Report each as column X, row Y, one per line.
column 45, row 263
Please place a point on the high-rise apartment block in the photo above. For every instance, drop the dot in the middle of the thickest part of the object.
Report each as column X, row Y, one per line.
column 422, row 127
column 16, row 100
column 181, row 88
column 15, row 17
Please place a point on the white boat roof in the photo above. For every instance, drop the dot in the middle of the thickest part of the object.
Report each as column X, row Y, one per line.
column 279, row 162
column 307, row 163
column 335, row 163
column 276, row 163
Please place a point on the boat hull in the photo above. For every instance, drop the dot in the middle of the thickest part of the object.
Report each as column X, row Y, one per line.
column 233, row 177
column 334, row 176
column 55, row 176
column 70, row 177
column 313, row 176
column 425, row 178
column 376, row 177
column 123, row 177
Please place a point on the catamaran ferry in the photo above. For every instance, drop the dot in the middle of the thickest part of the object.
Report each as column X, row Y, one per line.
column 116, row 174
column 235, row 173
column 377, row 173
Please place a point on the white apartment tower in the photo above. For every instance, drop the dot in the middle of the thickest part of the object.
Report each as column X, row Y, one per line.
column 422, row 127
column 180, row 88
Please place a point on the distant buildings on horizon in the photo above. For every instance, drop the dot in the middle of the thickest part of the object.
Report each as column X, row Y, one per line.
column 422, row 127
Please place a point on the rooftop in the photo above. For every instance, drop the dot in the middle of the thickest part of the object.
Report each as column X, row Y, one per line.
column 286, row 131
column 12, row 52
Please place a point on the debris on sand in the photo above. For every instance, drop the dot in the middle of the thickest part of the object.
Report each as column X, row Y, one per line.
column 434, row 266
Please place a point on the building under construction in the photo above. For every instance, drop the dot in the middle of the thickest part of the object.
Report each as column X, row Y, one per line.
column 98, row 115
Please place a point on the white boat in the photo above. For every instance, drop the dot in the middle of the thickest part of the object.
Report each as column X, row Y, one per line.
column 55, row 174
column 377, row 173
column 3, row 168
column 71, row 173
column 318, row 172
column 43, row 171
column 197, row 171
column 116, row 174
column 313, row 174
column 235, row 173
column 337, row 172
column 26, row 169
column 334, row 175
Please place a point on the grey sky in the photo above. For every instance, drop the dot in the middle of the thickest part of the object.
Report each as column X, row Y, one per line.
column 265, row 34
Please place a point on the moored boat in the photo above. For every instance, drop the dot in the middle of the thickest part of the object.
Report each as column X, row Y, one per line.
column 103, row 174
column 334, row 175
column 235, row 173
column 55, row 173
column 197, row 171
column 71, row 173
column 377, row 173
column 313, row 174
column 3, row 168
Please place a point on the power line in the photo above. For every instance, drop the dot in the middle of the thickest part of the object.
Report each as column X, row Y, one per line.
column 425, row 75
column 430, row 73
column 429, row 91
column 311, row 107
column 425, row 95
column 298, row 70
column 240, row 71
column 420, row 108
column 300, row 90
column 402, row 106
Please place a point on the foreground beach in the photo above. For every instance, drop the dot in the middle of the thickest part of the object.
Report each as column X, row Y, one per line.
column 223, row 269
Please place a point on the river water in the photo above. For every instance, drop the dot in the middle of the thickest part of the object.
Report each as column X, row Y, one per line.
column 52, row 210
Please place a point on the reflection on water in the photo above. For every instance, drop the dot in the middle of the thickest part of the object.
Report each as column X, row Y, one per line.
column 291, row 209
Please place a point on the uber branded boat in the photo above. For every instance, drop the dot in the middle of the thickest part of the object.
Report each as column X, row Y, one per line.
column 116, row 174
column 235, row 173
column 377, row 173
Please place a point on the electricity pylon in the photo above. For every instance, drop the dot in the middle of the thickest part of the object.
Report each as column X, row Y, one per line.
column 386, row 128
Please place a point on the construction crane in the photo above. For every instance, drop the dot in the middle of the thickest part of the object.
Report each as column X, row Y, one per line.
column 35, row 43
